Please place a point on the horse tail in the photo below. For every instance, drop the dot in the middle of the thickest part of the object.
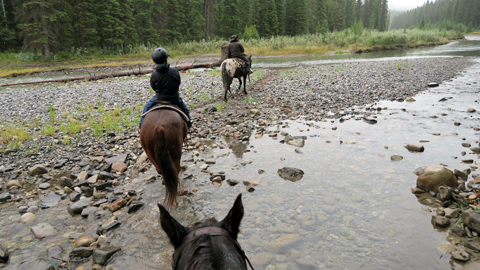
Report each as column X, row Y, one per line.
column 224, row 72
column 169, row 174
column 225, row 78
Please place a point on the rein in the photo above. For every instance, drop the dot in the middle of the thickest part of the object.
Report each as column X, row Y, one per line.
column 212, row 231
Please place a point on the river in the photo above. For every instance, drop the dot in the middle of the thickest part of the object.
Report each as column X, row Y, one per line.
column 352, row 209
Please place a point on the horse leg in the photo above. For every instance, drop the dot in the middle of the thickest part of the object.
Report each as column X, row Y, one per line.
column 244, row 84
column 239, row 85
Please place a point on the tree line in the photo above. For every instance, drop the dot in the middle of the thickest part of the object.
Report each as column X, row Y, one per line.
column 52, row 26
column 444, row 13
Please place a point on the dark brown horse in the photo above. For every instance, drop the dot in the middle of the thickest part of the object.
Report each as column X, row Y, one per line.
column 161, row 137
column 208, row 244
column 233, row 68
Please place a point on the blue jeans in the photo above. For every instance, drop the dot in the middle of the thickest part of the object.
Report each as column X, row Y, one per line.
column 180, row 104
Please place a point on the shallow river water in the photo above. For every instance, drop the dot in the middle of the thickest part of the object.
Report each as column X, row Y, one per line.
column 352, row 209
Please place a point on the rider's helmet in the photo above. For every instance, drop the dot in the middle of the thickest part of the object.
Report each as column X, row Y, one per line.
column 159, row 55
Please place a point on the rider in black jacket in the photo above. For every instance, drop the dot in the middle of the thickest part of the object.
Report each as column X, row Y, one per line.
column 166, row 82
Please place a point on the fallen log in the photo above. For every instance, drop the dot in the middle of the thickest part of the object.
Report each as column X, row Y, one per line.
column 118, row 74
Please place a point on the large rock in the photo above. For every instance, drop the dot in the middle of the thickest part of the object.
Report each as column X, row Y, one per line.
column 292, row 174
column 101, row 255
column 37, row 169
column 119, row 158
column 434, row 176
column 51, row 200
column 77, row 207
column 471, row 219
column 43, row 230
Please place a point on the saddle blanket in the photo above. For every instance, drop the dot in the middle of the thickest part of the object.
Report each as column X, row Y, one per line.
column 168, row 107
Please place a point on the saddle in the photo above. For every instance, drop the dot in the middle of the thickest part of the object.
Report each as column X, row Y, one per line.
column 241, row 63
column 167, row 107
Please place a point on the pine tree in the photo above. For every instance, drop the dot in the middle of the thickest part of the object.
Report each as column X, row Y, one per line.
column 279, row 4
column 144, row 14
column 229, row 23
column 384, row 16
column 38, row 22
column 359, row 10
column 296, row 19
column 266, row 20
column 8, row 29
column 350, row 15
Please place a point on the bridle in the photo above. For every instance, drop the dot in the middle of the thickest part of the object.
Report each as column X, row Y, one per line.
column 211, row 231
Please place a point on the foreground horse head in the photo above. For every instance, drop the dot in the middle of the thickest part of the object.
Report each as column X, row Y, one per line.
column 161, row 137
column 208, row 244
column 232, row 68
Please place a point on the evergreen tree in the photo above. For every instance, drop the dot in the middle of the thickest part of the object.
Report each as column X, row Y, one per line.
column 339, row 15
column 296, row 19
column 144, row 14
column 38, row 21
column 350, row 15
column 279, row 4
column 266, row 20
column 8, row 28
column 359, row 10
column 384, row 16
column 229, row 23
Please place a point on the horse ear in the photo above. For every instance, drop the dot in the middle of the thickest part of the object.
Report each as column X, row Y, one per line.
column 232, row 221
column 175, row 231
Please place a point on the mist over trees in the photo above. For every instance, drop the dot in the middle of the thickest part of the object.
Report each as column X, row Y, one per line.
column 460, row 15
column 62, row 26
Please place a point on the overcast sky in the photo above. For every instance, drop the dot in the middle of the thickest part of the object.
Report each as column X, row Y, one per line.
column 404, row 4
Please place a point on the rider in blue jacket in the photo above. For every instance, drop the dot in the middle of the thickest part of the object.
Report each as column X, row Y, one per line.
column 165, row 81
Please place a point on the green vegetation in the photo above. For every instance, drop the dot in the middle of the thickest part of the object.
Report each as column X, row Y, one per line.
column 459, row 15
column 221, row 105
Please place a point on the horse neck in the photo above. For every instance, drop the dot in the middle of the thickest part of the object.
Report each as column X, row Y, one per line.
column 212, row 253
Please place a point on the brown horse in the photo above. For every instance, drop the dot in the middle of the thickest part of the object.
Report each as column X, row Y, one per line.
column 161, row 137
column 208, row 244
column 233, row 68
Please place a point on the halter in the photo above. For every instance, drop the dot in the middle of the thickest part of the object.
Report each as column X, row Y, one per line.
column 212, row 231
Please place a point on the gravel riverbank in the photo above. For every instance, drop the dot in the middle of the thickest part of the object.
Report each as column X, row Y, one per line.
column 84, row 144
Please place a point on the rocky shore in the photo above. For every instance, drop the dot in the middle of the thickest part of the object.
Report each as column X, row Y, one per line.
column 85, row 177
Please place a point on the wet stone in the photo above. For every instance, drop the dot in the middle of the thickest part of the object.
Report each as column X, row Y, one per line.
column 5, row 197
column 289, row 173
column 77, row 207
column 396, row 158
column 119, row 158
column 134, row 206
column 85, row 241
column 232, row 182
column 459, row 230
column 81, row 252
column 44, row 186
column 472, row 244
column 75, row 196
column 440, row 221
column 37, row 169
column 415, row 148
column 87, row 211
column 101, row 255
column 22, row 209
column 51, row 200
column 461, row 255
column 43, row 230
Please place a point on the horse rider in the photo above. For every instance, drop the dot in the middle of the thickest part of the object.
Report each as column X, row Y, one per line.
column 166, row 82
column 235, row 50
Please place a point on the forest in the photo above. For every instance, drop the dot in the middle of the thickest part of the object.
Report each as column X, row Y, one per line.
column 50, row 27
column 447, row 14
